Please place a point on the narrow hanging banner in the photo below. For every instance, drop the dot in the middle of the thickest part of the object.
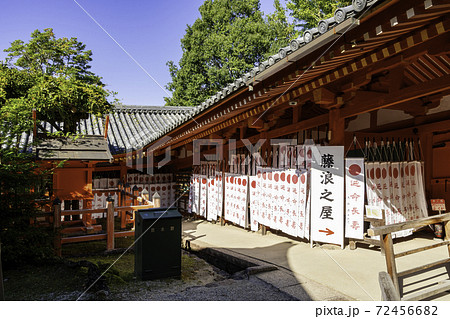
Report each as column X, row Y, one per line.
column 327, row 194
column 303, row 190
column 229, row 197
column 203, row 196
column 300, row 156
column 194, row 194
column 254, row 202
column 212, row 199
column 354, row 201
column 308, row 152
column 219, row 183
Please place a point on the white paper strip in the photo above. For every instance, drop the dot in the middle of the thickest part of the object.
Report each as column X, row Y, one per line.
column 354, row 203
column 203, row 195
column 212, row 200
column 254, row 202
column 308, row 159
column 220, row 189
column 300, row 157
column 303, row 190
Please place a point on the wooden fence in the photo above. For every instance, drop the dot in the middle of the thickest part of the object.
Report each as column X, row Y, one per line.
column 126, row 214
column 389, row 285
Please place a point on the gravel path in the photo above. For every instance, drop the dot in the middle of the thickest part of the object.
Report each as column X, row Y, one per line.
column 251, row 289
column 209, row 283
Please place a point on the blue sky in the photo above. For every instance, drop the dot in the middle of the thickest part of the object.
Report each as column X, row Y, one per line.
column 150, row 31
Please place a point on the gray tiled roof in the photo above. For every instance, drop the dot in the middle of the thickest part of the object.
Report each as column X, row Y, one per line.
column 133, row 127
column 130, row 127
column 309, row 37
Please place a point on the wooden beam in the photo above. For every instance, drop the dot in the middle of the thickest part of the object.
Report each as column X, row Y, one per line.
column 404, row 95
column 418, row 223
column 421, row 249
column 396, row 77
column 428, row 292
column 423, row 267
column 323, row 96
column 255, row 122
column 274, row 133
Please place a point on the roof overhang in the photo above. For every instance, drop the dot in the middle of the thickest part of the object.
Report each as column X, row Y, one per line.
column 86, row 148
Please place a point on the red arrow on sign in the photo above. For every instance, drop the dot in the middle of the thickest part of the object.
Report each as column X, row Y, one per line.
column 328, row 232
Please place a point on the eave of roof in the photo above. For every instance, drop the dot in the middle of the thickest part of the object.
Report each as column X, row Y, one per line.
column 212, row 116
column 91, row 147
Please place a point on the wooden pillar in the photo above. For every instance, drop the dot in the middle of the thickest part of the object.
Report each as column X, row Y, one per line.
column 426, row 141
column 447, row 234
column 135, row 193
column 57, row 226
column 390, row 259
column 374, row 119
column 87, row 218
column 109, row 223
column 123, row 171
column 337, row 127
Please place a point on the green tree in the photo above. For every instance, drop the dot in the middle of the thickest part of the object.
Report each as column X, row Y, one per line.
column 48, row 55
column 230, row 38
column 282, row 31
column 308, row 13
column 59, row 84
column 21, row 182
column 52, row 76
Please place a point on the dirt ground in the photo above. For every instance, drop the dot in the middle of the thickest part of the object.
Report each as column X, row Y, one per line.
column 199, row 281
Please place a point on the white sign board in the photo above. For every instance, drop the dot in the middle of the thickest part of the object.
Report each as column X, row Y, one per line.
column 327, row 194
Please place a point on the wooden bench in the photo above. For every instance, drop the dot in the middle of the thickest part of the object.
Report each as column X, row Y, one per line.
column 390, row 284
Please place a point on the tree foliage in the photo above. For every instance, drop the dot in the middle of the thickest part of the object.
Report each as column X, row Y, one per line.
column 51, row 76
column 281, row 29
column 308, row 13
column 47, row 55
column 230, row 38
column 233, row 36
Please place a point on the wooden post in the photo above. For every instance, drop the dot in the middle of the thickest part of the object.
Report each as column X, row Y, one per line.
column 121, row 198
column 2, row 291
column 390, row 259
column 263, row 230
column 337, row 127
column 388, row 291
column 106, row 126
column 57, row 225
column 135, row 193
column 447, row 234
column 109, row 223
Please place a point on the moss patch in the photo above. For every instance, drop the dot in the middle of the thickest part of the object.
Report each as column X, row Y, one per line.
column 57, row 281
column 42, row 282
column 94, row 247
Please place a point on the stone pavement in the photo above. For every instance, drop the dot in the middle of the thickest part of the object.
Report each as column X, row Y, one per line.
column 322, row 272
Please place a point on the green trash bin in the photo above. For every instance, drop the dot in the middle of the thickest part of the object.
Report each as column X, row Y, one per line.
column 158, row 244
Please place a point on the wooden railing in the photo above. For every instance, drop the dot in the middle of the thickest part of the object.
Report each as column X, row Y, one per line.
column 390, row 284
column 91, row 230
